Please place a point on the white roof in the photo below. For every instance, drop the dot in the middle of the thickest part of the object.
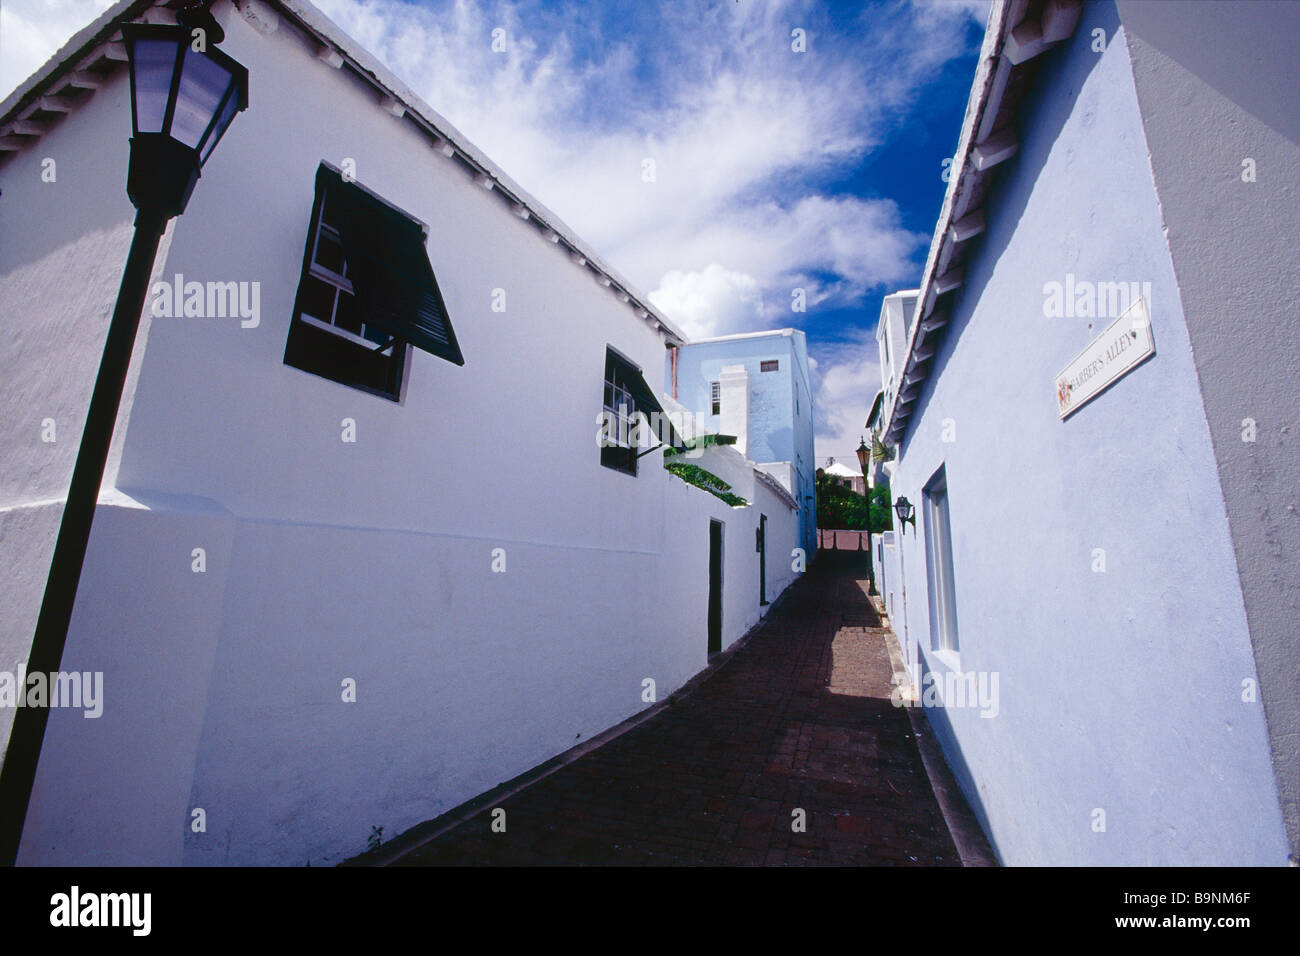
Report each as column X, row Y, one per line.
column 840, row 470
column 747, row 335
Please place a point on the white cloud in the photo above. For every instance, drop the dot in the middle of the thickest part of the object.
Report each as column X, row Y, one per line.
column 739, row 128
column 711, row 301
column 769, row 252
column 743, row 133
column 845, row 384
column 31, row 31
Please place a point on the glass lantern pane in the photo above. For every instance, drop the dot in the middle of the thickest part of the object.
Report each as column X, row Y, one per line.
column 203, row 83
column 228, row 111
column 152, row 64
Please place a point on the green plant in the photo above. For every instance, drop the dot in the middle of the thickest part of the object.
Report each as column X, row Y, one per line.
column 878, row 450
column 376, row 837
column 707, row 480
column 845, row 509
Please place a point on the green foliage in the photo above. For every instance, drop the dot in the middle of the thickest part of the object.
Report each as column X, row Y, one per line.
column 842, row 508
column 697, row 476
column 882, row 514
column 878, row 450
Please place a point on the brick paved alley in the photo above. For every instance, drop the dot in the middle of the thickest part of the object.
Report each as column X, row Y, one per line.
column 798, row 718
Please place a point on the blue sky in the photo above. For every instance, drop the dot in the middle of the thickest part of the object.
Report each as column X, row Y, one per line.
column 774, row 170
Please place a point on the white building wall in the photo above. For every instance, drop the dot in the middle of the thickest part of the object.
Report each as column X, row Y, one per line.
column 891, row 339
column 1222, row 123
column 329, row 560
column 777, row 409
column 1099, row 585
column 733, row 385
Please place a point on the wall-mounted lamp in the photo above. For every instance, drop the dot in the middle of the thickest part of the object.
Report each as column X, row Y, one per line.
column 903, row 508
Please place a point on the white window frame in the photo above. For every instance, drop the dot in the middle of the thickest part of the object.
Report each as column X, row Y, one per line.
column 940, row 581
column 341, row 284
column 622, row 412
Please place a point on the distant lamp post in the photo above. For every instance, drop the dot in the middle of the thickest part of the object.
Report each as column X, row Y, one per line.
column 903, row 508
column 864, row 460
column 184, row 95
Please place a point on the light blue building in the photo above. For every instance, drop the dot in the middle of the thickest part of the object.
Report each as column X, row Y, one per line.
column 1092, row 402
column 755, row 386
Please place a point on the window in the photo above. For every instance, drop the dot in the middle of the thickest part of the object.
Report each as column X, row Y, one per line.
column 715, row 396
column 631, row 416
column 618, row 450
column 328, row 299
column 366, row 292
column 770, row 365
column 939, row 565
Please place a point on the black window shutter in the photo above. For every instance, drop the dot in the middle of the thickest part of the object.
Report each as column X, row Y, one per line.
column 644, row 397
column 390, row 271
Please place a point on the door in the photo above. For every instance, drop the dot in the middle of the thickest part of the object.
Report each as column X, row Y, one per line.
column 760, row 545
column 715, row 586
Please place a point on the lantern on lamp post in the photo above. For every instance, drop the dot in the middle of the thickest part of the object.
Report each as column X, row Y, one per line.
column 864, row 461
column 184, row 95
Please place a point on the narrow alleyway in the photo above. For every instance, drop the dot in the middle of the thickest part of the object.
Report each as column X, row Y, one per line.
column 798, row 719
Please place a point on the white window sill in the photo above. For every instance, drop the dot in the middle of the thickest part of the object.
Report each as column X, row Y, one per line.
column 949, row 659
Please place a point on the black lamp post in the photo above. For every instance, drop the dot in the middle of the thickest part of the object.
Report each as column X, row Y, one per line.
column 864, row 461
column 903, row 508
column 183, row 97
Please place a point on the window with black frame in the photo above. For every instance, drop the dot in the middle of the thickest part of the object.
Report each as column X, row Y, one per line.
column 327, row 297
column 632, row 421
column 619, row 414
column 367, row 292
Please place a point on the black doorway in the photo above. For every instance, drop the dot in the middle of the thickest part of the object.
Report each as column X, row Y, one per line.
column 715, row 586
column 762, row 559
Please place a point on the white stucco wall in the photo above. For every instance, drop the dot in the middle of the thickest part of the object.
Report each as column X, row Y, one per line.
column 891, row 339
column 1120, row 690
column 53, row 335
column 1222, row 122
column 329, row 560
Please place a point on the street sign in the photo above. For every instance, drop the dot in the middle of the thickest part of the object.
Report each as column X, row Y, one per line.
column 1125, row 344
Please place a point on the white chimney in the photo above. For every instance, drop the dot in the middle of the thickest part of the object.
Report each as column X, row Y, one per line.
column 733, row 383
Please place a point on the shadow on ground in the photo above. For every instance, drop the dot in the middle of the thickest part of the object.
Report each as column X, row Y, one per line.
column 790, row 753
